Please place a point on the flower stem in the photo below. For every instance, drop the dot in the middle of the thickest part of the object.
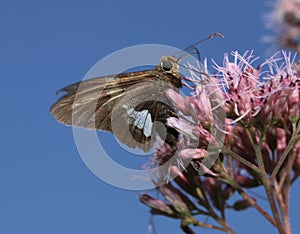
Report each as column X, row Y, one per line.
column 283, row 206
column 195, row 222
column 290, row 146
column 264, row 178
column 251, row 201
column 240, row 159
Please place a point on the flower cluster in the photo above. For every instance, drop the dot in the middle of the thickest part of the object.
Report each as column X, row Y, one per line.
column 285, row 19
column 256, row 143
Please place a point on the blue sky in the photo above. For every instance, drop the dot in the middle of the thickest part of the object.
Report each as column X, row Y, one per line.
column 45, row 45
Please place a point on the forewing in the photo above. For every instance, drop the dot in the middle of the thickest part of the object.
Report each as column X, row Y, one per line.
column 142, row 112
column 82, row 100
column 133, row 106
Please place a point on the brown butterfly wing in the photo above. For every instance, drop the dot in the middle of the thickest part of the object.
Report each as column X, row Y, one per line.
column 141, row 112
column 129, row 105
column 81, row 100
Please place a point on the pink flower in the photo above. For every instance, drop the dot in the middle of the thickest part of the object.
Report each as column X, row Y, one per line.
column 158, row 206
column 285, row 21
column 193, row 153
column 257, row 96
column 261, row 145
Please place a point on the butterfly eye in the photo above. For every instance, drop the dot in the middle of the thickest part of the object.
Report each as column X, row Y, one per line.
column 167, row 65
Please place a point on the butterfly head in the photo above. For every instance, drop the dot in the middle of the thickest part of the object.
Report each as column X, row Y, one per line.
column 169, row 67
column 168, row 64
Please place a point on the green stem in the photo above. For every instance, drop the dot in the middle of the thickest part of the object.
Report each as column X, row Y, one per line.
column 283, row 206
column 213, row 214
column 193, row 221
column 265, row 180
column 283, row 157
column 240, row 159
column 251, row 201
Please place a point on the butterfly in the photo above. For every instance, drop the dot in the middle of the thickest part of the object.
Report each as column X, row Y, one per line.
column 133, row 106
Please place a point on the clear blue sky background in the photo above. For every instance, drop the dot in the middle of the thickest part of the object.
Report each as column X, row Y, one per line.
column 44, row 185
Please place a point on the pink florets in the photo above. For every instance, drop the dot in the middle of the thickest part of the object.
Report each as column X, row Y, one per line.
column 285, row 21
column 264, row 97
column 257, row 110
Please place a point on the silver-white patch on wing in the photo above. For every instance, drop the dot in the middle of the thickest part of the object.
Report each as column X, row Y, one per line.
column 142, row 120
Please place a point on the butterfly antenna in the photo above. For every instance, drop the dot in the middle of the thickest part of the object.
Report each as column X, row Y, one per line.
column 201, row 41
column 205, row 39
column 196, row 71
column 197, row 52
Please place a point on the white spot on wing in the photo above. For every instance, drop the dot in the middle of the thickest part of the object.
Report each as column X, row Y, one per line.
column 111, row 79
column 148, row 126
column 142, row 120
